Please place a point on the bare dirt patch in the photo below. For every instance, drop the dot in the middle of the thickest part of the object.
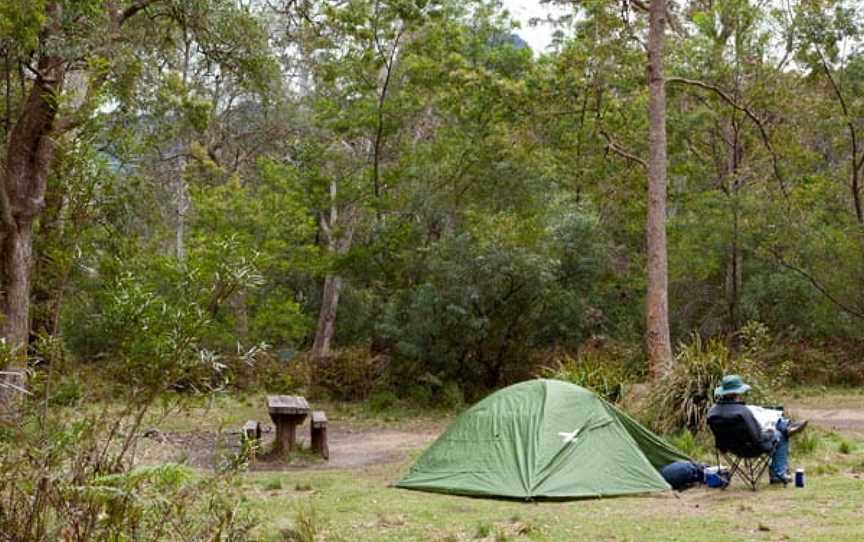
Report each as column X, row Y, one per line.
column 846, row 418
column 350, row 447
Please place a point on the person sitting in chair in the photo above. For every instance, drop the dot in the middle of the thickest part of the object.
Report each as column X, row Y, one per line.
column 768, row 425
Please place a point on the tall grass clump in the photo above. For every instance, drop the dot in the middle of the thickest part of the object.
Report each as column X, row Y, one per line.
column 603, row 375
column 806, row 443
column 306, row 527
column 682, row 397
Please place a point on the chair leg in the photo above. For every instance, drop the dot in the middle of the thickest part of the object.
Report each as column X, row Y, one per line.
column 756, row 467
column 735, row 466
column 750, row 470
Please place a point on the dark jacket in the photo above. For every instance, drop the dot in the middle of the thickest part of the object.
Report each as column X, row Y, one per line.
column 730, row 412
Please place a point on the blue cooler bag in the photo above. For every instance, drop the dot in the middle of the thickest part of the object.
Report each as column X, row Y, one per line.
column 716, row 477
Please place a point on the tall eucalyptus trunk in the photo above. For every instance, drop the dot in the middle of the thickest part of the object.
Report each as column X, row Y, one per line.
column 657, row 341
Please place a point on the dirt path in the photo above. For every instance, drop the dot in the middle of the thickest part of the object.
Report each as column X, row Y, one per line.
column 834, row 419
column 358, row 447
column 350, row 447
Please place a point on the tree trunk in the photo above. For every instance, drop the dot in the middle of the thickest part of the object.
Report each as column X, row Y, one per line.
column 327, row 317
column 734, row 261
column 733, row 281
column 29, row 153
column 182, row 201
column 338, row 243
column 657, row 341
column 16, row 265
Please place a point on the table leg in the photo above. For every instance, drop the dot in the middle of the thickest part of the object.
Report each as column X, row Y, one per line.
column 285, row 436
column 286, row 432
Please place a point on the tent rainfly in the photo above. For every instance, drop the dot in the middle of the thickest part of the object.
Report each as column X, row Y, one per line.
column 543, row 439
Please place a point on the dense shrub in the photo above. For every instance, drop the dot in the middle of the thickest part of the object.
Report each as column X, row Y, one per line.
column 829, row 363
column 681, row 398
column 65, row 475
column 68, row 478
column 607, row 373
column 484, row 302
column 349, row 374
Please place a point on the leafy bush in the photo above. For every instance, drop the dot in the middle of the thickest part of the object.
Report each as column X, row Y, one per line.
column 689, row 443
column 451, row 396
column 349, row 374
column 682, row 397
column 382, row 401
column 430, row 391
column 482, row 302
column 66, row 392
column 68, row 476
column 7, row 355
column 73, row 478
column 605, row 377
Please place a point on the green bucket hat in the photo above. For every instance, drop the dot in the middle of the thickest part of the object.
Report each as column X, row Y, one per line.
column 729, row 385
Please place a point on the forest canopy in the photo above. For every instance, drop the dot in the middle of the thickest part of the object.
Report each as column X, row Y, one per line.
column 405, row 192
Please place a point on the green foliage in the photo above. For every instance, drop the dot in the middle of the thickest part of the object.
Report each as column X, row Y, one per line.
column 486, row 300
column 689, row 443
column 273, row 485
column 349, row 374
column 7, row 353
column 57, row 470
column 472, row 197
column 846, row 447
column 20, row 22
column 605, row 376
column 67, row 392
column 682, row 398
column 382, row 401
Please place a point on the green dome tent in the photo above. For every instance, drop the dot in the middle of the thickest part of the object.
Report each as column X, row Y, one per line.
column 543, row 439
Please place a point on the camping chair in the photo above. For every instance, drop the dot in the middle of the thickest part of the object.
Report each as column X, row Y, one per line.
column 733, row 442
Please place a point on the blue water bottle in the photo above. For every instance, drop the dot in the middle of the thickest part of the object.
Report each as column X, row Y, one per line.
column 799, row 478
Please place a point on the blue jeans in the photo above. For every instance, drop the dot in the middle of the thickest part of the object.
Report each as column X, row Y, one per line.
column 780, row 458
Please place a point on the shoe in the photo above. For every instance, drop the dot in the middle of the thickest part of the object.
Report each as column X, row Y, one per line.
column 785, row 479
column 795, row 427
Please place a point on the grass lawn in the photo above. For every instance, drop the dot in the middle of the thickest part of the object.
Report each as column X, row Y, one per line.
column 357, row 503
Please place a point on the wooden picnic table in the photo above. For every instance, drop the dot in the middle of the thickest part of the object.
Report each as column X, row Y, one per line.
column 287, row 412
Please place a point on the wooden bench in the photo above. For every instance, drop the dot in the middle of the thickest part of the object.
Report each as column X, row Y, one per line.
column 287, row 412
column 319, row 433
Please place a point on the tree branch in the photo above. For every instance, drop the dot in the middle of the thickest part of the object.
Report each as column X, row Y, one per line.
column 853, row 135
column 639, row 4
column 760, row 123
column 134, row 8
column 613, row 146
column 821, row 289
